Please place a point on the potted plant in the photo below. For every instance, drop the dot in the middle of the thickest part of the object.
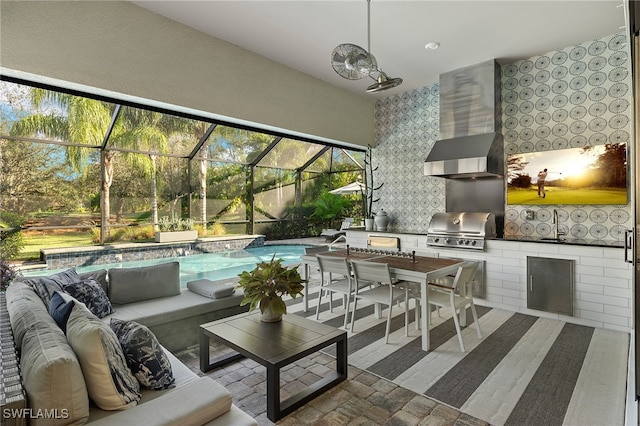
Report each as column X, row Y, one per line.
column 368, row 196
column 173, row 229
column 265, row 285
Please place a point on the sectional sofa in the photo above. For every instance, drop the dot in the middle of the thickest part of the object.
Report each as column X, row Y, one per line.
column 72, row 370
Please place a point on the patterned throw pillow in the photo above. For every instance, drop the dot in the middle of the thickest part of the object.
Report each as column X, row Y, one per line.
column 144, row 355
column 90, row 293
column 60, row 309
column 46, row 286
column 110, row 384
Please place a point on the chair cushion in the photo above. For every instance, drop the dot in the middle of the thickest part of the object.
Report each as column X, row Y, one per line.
column 128, row 285
column 92, row 295
column 210, row 289
column 145, row 357
column 110, row 383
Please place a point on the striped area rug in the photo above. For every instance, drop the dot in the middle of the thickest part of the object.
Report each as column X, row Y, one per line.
column 525, row 370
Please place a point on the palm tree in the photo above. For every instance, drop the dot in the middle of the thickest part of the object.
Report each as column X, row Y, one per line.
column 84, row 123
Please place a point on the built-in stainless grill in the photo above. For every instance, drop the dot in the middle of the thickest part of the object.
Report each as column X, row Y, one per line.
column 467, row 230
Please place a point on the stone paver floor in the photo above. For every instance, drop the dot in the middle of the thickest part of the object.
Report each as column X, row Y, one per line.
column 362, row 399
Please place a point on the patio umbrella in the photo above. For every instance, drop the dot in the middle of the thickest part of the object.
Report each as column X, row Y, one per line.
column 352, row 188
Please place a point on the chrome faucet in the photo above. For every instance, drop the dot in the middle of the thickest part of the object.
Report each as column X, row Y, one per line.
column 556, row 231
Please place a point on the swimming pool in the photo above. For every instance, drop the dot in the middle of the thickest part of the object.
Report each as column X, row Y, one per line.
column 213, row 266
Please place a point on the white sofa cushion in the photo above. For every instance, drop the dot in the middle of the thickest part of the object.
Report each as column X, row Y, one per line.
column 51, row 373
column 174, row 308
column 196, row 403
column 110, row 384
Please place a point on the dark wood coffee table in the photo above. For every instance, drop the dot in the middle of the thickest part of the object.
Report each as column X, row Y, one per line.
column 275, row 345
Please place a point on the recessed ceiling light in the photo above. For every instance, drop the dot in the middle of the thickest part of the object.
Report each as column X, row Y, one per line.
column 432, row 45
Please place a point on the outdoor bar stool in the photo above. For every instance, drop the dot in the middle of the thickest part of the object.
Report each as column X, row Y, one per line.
column 457, row 296
column 385, row 292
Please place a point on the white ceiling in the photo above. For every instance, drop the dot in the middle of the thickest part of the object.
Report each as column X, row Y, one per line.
column 301, row 34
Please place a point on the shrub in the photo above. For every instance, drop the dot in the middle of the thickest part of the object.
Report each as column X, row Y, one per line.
column 7, row 274
column 175, row 223
column 11, row 240
column 11, row 243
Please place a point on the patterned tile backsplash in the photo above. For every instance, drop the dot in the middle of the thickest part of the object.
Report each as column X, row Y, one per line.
column 573, row 97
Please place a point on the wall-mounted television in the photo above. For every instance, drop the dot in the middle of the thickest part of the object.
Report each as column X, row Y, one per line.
column 588, row 175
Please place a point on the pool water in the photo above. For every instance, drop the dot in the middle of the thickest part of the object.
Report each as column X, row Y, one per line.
column 213, row 266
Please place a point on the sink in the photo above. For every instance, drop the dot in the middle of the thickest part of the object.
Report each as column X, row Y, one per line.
column 553, row 240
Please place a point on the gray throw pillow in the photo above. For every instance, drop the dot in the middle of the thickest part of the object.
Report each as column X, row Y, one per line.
column 144, row 354
column 100, row 275
column 210, row 289
column 46, row 286
column 128, row 285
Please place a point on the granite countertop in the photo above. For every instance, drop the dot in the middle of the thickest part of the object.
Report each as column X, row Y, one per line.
column 525, row 238
column 567, row 241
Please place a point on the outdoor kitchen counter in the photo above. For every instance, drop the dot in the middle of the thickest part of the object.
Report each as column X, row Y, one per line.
column 408, row 238
column 603, row 279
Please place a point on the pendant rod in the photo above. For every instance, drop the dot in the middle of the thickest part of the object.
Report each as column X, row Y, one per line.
column 369, row 26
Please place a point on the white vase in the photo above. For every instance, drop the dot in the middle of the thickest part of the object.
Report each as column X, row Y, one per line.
column 269, row 316
column 382, row 221
column 368, row 224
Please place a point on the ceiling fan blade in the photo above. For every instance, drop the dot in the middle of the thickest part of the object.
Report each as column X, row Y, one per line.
column 352, row 62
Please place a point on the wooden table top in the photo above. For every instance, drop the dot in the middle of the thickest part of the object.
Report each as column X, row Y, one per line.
column 422, row 264
column 272, row 342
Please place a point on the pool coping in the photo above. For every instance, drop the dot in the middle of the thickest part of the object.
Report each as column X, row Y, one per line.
column 114, row 253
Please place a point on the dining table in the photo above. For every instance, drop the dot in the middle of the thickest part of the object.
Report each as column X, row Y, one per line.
column 414, row 268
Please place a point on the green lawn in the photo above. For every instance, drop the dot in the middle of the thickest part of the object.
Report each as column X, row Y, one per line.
column 37, row 240
column 555, row 195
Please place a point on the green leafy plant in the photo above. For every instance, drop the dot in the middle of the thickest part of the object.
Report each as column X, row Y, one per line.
column 266, row 284
column 11, row 238
column 175, row 223
column 328, row 207
column 7, row 274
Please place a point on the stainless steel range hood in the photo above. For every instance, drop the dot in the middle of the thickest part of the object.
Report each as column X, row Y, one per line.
column 471, row 143
column 467, row 157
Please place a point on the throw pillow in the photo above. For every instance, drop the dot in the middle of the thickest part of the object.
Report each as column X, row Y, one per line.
column 110, row 383
column 99, row 275
column 210, row 289
column 144, row 354
column 90, row 293
column 46, row 286
column 128, row 285
column 60, row 309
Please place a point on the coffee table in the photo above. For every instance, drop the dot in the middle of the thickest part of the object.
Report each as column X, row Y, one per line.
column 275, row 345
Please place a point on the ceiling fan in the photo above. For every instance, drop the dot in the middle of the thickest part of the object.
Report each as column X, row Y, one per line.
column 353, row 62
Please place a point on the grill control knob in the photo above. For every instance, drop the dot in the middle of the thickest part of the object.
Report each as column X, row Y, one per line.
column 460, row 242
column 473, row 243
